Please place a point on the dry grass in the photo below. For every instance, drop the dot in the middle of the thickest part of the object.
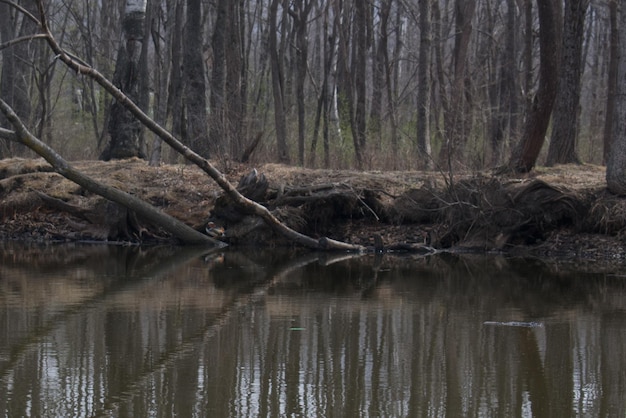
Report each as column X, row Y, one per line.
column 401, row 206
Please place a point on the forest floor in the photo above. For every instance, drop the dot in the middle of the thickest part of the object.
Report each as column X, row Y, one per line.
column 563, row 211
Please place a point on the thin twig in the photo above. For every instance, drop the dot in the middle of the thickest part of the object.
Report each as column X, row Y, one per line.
column 27, row 38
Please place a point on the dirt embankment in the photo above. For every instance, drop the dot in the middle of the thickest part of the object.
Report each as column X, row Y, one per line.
column 562, row 211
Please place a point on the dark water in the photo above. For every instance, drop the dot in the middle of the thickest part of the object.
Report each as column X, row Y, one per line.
column 127, row 332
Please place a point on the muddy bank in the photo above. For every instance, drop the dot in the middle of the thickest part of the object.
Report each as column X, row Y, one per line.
column 563, row 211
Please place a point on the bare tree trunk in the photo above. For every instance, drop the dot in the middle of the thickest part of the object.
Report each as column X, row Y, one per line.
column 194, row 101
column 124, row 128
column 455, row 115
column 616, row 163
column 564, row 137
column 524, row 156
column 278, row 86
column 329, row 90
column 528, row 50
column 161, row 73
column 300, row 17
column 614, row 48
column 322, row 100
column 423, row 87
column 235, row 115
column 379, row 72
column 392, row 70
column 7, row 65
column 598, row 43
column 359, row 60
column 505, row 98
column 176, row 85
column 15, row 81
column 217, row 129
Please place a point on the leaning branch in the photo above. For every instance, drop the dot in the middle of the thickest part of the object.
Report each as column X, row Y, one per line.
column 243, row 202
column 178, row 229
column 19, row 40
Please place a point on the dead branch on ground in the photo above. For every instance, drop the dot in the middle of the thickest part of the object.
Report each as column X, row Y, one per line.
column 178, row 229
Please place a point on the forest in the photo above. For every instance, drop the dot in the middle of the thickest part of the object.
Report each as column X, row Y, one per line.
column 385, row 86
column 377, row 84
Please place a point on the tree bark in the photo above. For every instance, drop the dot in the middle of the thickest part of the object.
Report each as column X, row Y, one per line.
column 17, row 71
column 161, row 72
column 329, row 41
column 217, row 129
column 300, row 17
column 176, row 85
column 423, row 88
column 524, row 156
column 455, row 115
column 124, row 129
column 379, row 73
column 392, row 70
column 194, row 99
column 278, row 85
column 235, row 117
column 506, row 102
column 7, row 75
column 359, row 69
column 616, row 163
column 614, row 51
column 563, row 140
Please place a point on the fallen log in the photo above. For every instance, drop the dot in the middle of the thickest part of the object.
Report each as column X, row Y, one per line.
column 148, row 212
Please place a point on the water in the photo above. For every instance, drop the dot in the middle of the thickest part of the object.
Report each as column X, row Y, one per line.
column 127, row 332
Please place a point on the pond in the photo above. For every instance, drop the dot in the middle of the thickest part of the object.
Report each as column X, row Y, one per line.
column 95, row 330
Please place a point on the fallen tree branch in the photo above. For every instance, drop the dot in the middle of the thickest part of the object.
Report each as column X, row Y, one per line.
column 244, row 203
column 8, row 135
column 170, row 224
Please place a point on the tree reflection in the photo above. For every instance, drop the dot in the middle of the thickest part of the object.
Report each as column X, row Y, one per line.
column 137, row 332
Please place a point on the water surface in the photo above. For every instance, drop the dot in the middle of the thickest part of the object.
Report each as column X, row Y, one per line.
column 129, row 332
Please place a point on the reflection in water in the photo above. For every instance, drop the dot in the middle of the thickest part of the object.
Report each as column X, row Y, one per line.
column 111, row 331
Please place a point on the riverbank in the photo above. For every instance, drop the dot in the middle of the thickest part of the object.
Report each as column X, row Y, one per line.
column 563, row 211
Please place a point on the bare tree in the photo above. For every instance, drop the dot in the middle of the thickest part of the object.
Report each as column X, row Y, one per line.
column 18, row 62
column 236, row 80
column 454, row 113
column 564, row 137
column 124, row 129
column 278, row 82
column 161, row 35
column 352, row 71
column 423, row 93
column 381, row 40
column 217, row 99
column 324, row 101
column 505, row 98
column 300, row 15
column 612, row 87
column 359, row 69
column 616, row 163
column 524, row 156
column 360, row 64
column 194, row 97
column 176, row 13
